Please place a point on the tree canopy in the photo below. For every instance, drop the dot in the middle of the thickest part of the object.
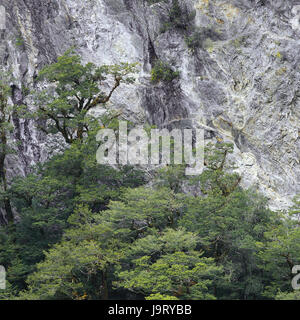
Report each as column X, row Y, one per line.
column 86, row 231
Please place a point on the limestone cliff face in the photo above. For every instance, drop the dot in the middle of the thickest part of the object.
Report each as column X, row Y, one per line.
column 243, row 79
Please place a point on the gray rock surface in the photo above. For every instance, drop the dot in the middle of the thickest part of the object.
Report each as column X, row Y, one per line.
column 243, row 79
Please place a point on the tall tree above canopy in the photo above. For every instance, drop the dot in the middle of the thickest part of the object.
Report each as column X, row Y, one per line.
column 74, row 90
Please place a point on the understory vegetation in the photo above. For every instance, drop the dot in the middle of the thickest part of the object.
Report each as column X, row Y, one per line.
column 85, row 231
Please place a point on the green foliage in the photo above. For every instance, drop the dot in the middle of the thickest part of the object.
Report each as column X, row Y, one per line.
column 158, row 296
column 75, row 90
column 288, row 296
column 46, row 198
column 280, row 253
column 142, row 209
column 172, row 176
column 67, row 271
column 229, row 226
column 161, row 244
column 108, row 234
column 194, row 41
column 163, row 72
column 179, row 17
column 19, row 41
column 89, row 231
column 168, row 264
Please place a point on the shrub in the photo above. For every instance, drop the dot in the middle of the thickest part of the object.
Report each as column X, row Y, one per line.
column 179, row 17
column 162, row 71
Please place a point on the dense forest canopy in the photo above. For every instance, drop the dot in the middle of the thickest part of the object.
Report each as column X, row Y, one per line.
column 88, row 231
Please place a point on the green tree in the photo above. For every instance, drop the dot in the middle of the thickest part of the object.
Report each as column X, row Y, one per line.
column 77, row 267
column 168, row 265
column 73, row 90
column 111, row 231
column 229, row 221
column 162, row 71
column 142, row 209
column 49, row 195
column 146, row 242
column 281, row 252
